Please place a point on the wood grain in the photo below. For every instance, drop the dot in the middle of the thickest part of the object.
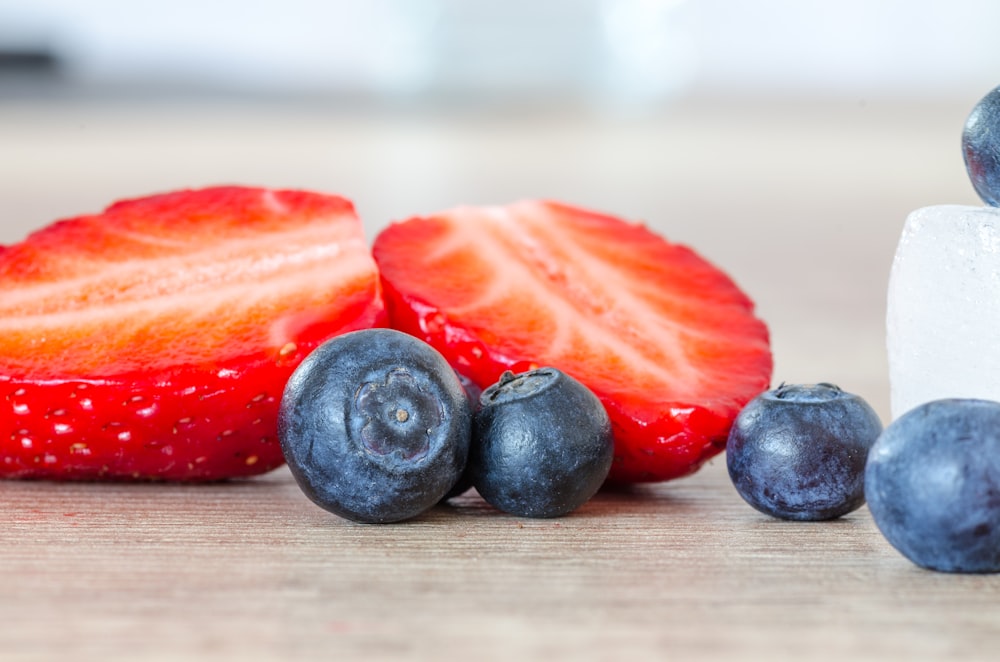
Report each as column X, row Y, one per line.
column 252, row 570
column 801, row 204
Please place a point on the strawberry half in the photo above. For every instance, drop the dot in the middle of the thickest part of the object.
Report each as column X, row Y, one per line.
column 668, row 342
column 153, row 341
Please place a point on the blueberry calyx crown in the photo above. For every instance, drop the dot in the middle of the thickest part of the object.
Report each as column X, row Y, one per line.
column 514, row 387
column 821, row 392
column 399, row 416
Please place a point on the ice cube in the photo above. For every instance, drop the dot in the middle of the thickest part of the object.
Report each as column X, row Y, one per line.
column 943, row 314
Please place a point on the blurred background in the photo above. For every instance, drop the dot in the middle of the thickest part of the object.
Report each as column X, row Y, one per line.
column 785, row 140
column 634, row 55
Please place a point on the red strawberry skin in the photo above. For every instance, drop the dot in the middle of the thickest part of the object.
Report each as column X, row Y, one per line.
column 668, row 342
column 153, row 341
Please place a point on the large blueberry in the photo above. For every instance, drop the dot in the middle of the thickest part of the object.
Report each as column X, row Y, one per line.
column 542, row 444
column 473, row 391
column 798, row 451
column 375, row 426
column 933, row 485
column 981, row 147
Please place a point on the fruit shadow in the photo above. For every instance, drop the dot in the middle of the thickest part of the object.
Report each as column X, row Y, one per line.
column 99, row 489
column 612, row 500
column 125, row 510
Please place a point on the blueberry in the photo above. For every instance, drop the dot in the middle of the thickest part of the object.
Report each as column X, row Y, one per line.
column 933, row 485
column 542, row 444
column 798, row 451
column 981, row 146
column 375, row 426
column 473, row 391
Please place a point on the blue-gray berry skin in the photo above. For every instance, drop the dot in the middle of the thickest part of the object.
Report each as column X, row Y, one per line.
column 933, row 485
column 981, row 147
column 375, row 426
column 464, row 483
column 542, row 444
column 798, row 452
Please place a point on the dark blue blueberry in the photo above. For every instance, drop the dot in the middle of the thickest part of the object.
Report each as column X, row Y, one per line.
column 933, row 485
column 473, row 391
column 981, row 147
column 463, row 485
column 541, row 445
column 375, row 426
column 798, row 451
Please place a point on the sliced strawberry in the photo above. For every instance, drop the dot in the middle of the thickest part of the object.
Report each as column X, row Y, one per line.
column 153, row 341
column 668, row 342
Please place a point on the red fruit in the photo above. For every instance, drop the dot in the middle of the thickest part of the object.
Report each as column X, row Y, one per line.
column 668, row 342
column 153, row 341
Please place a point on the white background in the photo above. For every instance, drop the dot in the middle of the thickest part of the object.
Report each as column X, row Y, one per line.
column 635, row 52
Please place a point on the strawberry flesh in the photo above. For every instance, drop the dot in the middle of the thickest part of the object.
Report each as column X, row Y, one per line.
column 668, row 342
column 153, row 340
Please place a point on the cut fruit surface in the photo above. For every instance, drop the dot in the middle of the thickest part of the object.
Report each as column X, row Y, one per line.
column 667, row 341
column 153, row 340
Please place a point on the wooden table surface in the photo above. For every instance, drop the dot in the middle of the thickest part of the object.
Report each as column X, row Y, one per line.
column 800, row 203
